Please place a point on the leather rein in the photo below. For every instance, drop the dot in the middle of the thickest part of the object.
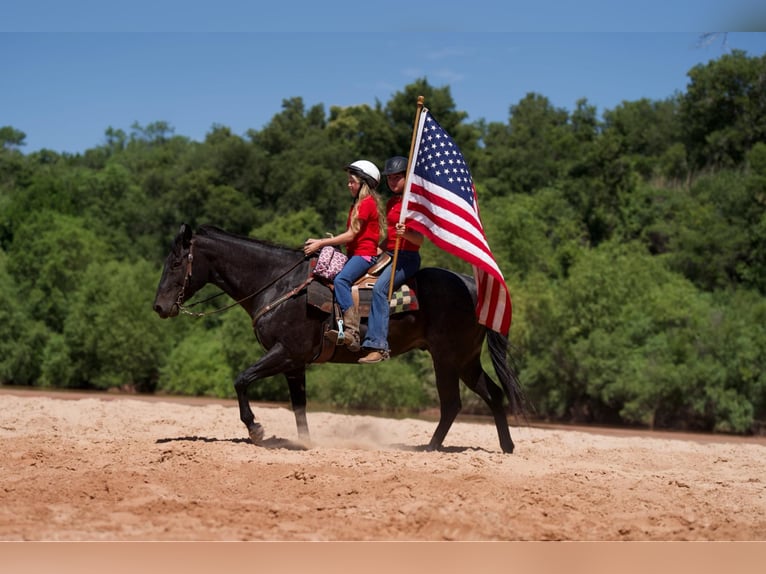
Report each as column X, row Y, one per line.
column 262, row 311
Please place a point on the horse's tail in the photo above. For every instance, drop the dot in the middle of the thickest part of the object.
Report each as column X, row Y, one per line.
column 507, row 372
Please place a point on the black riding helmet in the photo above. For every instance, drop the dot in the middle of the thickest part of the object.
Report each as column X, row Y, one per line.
column 396, row 164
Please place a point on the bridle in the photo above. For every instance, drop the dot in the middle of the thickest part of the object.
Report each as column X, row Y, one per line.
column 187, row 278
column 186, row 308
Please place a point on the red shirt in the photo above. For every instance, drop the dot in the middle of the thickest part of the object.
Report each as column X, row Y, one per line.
column 366, row 241
column 393, row 212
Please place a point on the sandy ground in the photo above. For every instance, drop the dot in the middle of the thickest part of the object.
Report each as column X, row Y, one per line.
column 115, row 468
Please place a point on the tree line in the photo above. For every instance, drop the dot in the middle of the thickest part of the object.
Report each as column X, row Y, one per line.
column 633, row 243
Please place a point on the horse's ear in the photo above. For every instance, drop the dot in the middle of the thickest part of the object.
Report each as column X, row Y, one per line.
column 186, row 234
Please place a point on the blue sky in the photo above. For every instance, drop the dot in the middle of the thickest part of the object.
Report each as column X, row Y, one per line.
column 70, row 70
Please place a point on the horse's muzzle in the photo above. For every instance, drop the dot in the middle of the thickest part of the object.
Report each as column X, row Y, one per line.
column 164, row 312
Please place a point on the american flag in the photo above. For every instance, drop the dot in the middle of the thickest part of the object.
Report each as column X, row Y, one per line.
column 441, row 203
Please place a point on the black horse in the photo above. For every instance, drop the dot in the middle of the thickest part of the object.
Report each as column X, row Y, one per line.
column 269, row 282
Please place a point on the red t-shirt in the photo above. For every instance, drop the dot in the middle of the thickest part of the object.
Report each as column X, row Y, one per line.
column 366, row 241
column 393, row 212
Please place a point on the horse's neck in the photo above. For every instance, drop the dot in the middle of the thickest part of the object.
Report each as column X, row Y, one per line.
column 241, row 268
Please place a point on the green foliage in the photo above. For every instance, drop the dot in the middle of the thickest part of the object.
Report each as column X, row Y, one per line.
column 364, row 130
column 722, row 111
column 241, row 348
column 50, row 252
column 532, row 151
column 22, row 339
column 533, row 233
column 235, row 162
column 11, row 138
column 387, row 386
column 646, row 131
column 291, row 229
column 197, row 367
column 57, row 370
column 401, row 109
column 709, row 243
column 600, row 182
column 753, row 269
column 672, row 165
column 320, row 185
column 111, row 338
column 228, row 209
column 629, row 341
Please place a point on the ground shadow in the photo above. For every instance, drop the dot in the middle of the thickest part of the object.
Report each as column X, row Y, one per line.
column 275, row 443
column 272, row 442
column 448, row 449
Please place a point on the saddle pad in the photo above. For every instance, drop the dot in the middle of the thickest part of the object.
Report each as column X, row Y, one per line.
column 404, row 299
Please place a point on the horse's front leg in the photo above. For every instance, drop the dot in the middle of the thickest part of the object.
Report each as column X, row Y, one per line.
column 274, row 362
column 296, row 382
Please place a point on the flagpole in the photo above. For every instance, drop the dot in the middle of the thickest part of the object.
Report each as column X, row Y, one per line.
column 421, row 100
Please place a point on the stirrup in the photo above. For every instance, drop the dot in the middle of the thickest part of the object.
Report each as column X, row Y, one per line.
column 338, row 337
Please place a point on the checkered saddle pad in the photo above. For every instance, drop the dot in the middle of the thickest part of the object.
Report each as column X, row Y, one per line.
column 404, row 299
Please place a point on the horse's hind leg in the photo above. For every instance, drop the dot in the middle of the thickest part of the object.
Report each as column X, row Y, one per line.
column 476, row 379
column 296, row 382
column 448, row 388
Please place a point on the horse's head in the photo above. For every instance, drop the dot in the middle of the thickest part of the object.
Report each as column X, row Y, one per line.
column 173, row 288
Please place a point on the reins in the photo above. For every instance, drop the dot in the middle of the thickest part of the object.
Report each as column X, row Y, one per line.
column 185, row 308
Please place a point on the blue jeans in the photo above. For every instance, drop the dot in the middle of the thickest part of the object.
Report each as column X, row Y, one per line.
column 354, row 268
column 407, row 264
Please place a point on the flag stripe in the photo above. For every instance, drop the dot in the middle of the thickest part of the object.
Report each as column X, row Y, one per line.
column 440, row 203
column 451, row 213
column 425, row 223
column 450, row 227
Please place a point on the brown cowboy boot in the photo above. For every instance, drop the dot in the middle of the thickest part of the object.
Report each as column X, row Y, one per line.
column 351, row 329
column 374, row 356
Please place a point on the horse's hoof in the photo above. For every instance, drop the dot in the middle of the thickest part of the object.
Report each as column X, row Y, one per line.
column 306, row 444
column 256, row 433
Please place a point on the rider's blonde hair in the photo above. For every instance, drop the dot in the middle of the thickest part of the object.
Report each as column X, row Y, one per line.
column 364, row 191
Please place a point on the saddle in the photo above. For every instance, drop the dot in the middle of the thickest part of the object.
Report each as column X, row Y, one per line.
column 320, row 294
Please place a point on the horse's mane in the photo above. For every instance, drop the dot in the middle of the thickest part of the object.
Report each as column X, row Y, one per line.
column 213, row 232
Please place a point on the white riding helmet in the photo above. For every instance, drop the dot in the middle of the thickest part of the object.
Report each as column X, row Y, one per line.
column 366, row 170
